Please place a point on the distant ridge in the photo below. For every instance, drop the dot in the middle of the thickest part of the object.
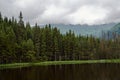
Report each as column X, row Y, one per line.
column 116, row 28
column 84, row 29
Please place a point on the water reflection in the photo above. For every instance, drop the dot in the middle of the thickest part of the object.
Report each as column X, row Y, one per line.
column 64, row 72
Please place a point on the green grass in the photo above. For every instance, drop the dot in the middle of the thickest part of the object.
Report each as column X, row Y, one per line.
column 14, row 65
column 19, row 65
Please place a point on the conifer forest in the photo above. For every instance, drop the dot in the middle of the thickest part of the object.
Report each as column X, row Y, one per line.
column 21, row 42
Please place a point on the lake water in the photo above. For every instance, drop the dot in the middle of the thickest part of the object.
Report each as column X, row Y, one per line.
column 64, row 72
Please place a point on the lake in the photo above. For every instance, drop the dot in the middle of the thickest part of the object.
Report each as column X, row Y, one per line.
column 64, row 72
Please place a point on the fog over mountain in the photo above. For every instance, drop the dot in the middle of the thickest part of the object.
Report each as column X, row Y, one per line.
column 85, row 29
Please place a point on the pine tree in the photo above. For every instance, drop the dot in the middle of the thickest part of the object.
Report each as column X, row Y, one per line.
column 20, row 30
column 21, row 23
column 1, row 19
column 36, row 39
column 28, row 31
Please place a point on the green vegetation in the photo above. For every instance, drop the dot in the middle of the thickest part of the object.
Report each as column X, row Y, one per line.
column 14, row 65
column 77, row 62
column 46, row 63
column 21, row 43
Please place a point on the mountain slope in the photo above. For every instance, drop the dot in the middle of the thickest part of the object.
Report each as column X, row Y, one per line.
column 78, row 29
column 116, row 28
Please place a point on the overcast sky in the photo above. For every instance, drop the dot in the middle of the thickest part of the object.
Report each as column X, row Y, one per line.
column 63, row 11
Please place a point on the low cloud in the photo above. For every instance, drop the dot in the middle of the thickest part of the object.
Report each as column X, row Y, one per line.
column 63, row 11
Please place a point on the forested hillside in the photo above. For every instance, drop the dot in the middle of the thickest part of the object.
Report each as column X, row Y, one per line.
column 94, row 30
column 19, row 42
column 116, row 28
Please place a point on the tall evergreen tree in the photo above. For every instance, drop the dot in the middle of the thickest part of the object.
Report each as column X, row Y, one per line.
column 1, row 19
column 20, row 30
column 36, row 39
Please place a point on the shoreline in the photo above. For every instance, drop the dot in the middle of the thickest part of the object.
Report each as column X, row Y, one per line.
column 46, row 63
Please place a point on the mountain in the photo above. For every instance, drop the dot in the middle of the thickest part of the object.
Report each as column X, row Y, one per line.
column 116, row 28
column 85, row 29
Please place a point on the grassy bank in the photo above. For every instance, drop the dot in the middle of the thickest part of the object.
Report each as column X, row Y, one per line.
column 18, row 65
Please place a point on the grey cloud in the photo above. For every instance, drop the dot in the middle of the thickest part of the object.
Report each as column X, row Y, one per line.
column 36, row 10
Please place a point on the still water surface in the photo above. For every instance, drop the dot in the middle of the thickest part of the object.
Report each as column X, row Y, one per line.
column 64, row 72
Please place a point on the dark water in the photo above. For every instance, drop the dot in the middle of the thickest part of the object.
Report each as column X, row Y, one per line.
column 64, row 72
